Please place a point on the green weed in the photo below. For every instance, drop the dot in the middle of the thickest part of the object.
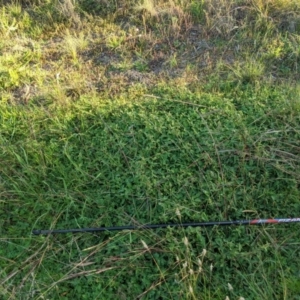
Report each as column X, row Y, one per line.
column 125, row 112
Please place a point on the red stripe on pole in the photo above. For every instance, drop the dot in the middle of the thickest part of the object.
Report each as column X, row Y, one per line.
column 264, row 221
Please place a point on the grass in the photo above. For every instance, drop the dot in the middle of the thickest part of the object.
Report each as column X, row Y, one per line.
column 125, row 112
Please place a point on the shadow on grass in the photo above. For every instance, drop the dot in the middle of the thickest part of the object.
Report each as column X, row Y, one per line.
column 137, row 161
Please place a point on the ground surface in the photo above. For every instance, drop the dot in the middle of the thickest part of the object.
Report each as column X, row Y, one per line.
column 125, row 112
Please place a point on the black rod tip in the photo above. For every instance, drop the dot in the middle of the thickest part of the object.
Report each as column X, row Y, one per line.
column 36, row 232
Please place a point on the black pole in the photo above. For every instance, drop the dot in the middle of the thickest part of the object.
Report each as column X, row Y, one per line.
column 155, row 226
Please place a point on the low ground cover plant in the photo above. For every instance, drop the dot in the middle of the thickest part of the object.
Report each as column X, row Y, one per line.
column 137, row 112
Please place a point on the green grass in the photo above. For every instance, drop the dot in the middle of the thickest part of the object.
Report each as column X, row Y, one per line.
column 149, row 112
